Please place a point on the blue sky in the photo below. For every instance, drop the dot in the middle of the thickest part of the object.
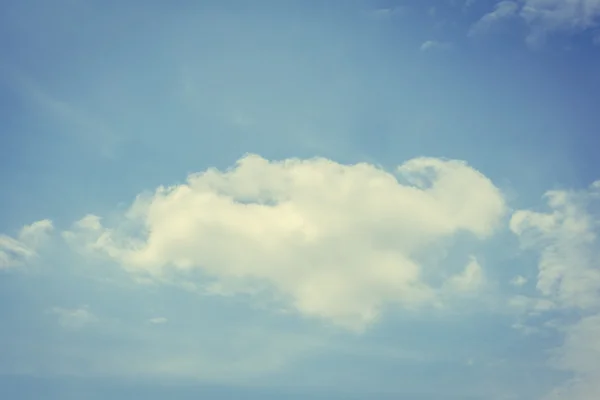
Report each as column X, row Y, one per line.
column 309, row 199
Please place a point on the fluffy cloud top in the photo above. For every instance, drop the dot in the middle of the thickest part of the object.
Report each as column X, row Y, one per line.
column 15, row 251
column 569, row 270
column 334, row 241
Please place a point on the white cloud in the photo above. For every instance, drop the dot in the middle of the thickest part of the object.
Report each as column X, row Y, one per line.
column 568, row 269
column 531, row 305
column 387, row 13
column 74, row 318
column 16, row 251
column 569, row 277
column 580, row 354
column 502, row 10
column 333, row 241
column 544, row 17
column 548, row 16
column 470, row 280
column 582, row 346
column 525, row 329
column 518, row 281
column 158, row 320
column 430, row 45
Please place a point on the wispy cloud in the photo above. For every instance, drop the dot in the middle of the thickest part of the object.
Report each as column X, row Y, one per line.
column 17, row 251
column 387, row 13
column 548, row 17
column 518, row 281
column 503, row 10
column 431, row 45
column 566, row 238
column 73, row 120
column 543, row 17
column 158, row 320
column 74, row 318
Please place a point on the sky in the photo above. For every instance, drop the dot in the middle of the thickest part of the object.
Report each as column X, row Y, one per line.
column 300, row 199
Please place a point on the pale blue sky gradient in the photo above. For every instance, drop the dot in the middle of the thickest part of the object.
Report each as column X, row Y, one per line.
column 103, row 100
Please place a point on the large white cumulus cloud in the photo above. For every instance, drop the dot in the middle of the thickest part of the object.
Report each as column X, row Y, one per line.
column 334, row 241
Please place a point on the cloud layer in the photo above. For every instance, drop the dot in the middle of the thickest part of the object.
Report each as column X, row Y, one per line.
column 341, row 242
